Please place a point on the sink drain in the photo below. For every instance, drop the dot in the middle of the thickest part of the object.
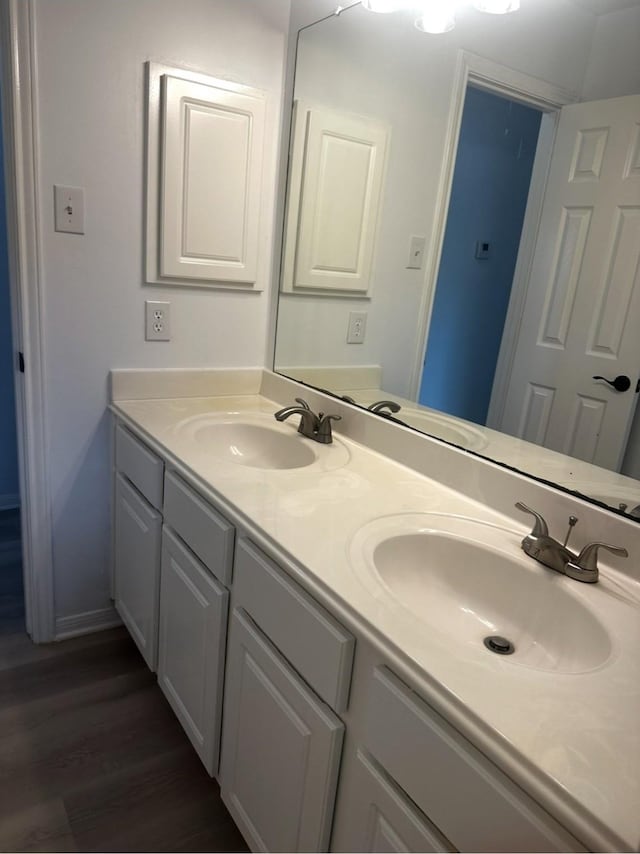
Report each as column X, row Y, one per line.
column 499, row 645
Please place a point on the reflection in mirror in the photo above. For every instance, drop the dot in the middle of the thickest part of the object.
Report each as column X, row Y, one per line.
column 462, row 232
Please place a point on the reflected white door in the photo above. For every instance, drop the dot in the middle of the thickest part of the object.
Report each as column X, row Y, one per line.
column 582, row 310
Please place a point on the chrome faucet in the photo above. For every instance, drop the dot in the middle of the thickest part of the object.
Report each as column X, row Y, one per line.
column 391, row 405
column 635, row 511
column 316, row 427
column 546, row 550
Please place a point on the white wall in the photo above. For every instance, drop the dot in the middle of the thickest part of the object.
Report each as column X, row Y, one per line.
column 90, row 102
column 381, row 66
column 614, row 60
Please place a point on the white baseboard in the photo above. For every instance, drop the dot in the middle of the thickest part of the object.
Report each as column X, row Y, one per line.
column 86, row 623
column 9, row 501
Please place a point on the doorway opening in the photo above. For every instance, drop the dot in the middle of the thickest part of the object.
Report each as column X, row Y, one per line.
column 492, row 175
column 12, row 610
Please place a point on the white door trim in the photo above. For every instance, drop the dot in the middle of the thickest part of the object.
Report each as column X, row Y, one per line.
column 18, row 78
column 488, row 75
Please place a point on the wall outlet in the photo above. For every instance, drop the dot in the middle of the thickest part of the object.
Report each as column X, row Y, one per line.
column 156, row 321
column 357, row 327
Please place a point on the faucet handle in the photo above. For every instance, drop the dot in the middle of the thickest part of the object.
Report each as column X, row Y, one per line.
column 588, row 557
column 540, row 528
column 303, row 403
column 391, row 405
column 323, row 430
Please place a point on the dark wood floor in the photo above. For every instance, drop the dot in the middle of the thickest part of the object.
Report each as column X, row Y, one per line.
column 93, row 759
column 11, row 592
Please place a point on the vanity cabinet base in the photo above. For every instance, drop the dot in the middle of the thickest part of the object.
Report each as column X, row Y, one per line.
column 407, row 779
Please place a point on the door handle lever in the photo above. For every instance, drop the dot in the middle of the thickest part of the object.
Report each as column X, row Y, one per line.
column 620, row 383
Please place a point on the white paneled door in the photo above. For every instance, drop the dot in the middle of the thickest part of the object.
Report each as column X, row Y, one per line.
column 582, row 310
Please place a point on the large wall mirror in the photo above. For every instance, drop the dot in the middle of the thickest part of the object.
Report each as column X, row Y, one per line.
column 462, row 232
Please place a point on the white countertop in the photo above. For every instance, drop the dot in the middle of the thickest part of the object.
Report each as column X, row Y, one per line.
column 609, row 487
column 575, row 736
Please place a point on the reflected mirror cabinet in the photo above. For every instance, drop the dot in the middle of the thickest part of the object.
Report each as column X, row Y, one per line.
column 462, row 232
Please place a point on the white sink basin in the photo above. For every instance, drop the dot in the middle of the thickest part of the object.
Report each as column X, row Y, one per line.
column 443, row 427
column 255, row 445
column 468, row 580
column 257, row 440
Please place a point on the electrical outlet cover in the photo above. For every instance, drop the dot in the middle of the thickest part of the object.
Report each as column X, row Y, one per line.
column 357, row 327
column 157, row 321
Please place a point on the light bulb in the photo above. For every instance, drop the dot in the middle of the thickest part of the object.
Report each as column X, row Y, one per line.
column 497, row 7
column 383, row 6
column 436, row 16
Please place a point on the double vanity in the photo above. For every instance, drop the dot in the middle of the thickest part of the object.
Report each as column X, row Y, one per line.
column 352, row 636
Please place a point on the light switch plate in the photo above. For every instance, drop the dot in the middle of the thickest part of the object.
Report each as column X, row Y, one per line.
column 416, row 252
column 482, row 250
column 69, row 209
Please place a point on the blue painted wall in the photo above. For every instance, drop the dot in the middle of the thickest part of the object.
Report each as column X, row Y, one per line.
column 489, row 194
column 8, row 448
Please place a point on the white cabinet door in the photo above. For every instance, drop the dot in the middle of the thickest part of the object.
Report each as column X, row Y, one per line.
column 137, row 567
column 193, row 626
column 337, row 176
column 281, row 748
column 375, row 815
column 212, row 152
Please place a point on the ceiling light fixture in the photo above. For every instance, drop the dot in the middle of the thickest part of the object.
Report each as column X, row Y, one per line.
column 438, row 16
column 496, row 7
column 383, row 6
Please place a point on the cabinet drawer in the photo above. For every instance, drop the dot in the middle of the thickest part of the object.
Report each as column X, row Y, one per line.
column 143, row 468
column 203, row 529
column 310, row 638
column 476, row 806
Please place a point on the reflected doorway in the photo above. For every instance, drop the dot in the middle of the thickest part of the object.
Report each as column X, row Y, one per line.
column 12, row 609
column 494, row 162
